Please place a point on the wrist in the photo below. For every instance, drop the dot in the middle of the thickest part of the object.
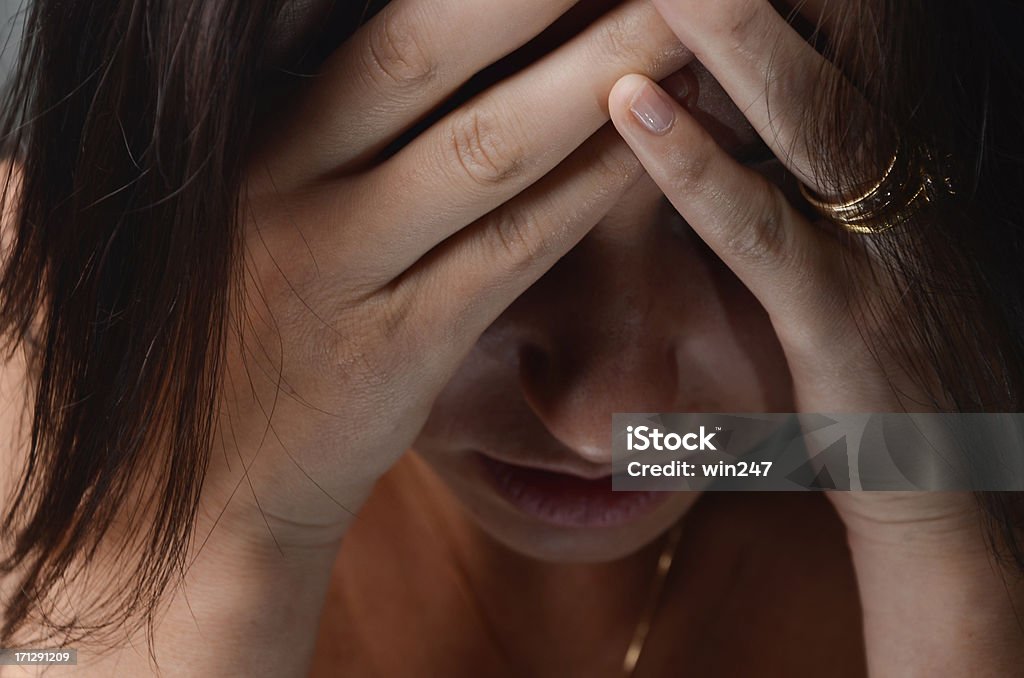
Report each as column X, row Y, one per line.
column 935, row 602
column 240, row 530
column 243, row 605
column 258, row 498
column 912, row 524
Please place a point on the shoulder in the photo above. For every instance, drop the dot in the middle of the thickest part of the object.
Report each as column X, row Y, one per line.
column 13, row 367
column 13, row 378
column 14, row 426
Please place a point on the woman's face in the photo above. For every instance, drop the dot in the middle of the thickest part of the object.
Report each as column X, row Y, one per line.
column 639, row 317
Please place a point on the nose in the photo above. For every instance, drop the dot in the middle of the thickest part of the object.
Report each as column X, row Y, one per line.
column 574, row 393
column 609, row 332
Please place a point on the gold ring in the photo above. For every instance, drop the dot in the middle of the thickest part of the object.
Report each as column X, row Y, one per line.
column 908, row 182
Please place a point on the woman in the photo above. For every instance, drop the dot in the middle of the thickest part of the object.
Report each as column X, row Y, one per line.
column 236, row 297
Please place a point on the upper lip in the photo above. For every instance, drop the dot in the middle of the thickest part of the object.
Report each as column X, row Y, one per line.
column 571, row 467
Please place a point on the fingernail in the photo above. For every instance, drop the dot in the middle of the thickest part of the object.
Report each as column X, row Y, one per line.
column 652, row 109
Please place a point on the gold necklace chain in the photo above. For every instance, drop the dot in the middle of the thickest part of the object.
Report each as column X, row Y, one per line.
column 643, row 627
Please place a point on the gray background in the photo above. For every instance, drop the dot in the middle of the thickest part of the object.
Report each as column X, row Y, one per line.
column 9, row 12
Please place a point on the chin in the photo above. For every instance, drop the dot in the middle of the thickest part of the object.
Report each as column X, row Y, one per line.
column 555, row 517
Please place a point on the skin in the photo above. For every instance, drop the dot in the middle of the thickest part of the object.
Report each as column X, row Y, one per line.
column 604, row 350
column 387, row 299
column 749, row 572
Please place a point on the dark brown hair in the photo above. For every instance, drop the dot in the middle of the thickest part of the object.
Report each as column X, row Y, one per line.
column 130, row 124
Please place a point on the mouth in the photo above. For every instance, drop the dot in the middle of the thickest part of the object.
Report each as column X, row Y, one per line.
column 565, row 499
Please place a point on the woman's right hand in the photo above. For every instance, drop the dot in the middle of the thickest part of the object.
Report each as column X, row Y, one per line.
column 366, row 283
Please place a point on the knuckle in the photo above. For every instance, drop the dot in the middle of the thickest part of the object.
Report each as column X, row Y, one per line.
column 516, row 237
column 636, row 38
column 361, row 369
column 691, row 169
column 618, row 38
column 758, row 230
column 394, row 313
column 483, row 150
column 618, row 165
column 362, row 346
column 735, row 20
column 395, row 53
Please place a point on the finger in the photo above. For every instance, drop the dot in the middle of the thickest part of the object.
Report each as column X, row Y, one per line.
column 502, row 141
column 397, row 67
column 790, row 265
column 460, row 288
column 769, row 71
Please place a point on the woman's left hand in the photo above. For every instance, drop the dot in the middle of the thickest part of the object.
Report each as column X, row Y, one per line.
column 928, row 589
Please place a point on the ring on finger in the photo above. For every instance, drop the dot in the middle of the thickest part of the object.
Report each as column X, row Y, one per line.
column 912, row 179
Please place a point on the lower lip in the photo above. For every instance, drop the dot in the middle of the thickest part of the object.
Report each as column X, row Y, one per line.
column 567, row 500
